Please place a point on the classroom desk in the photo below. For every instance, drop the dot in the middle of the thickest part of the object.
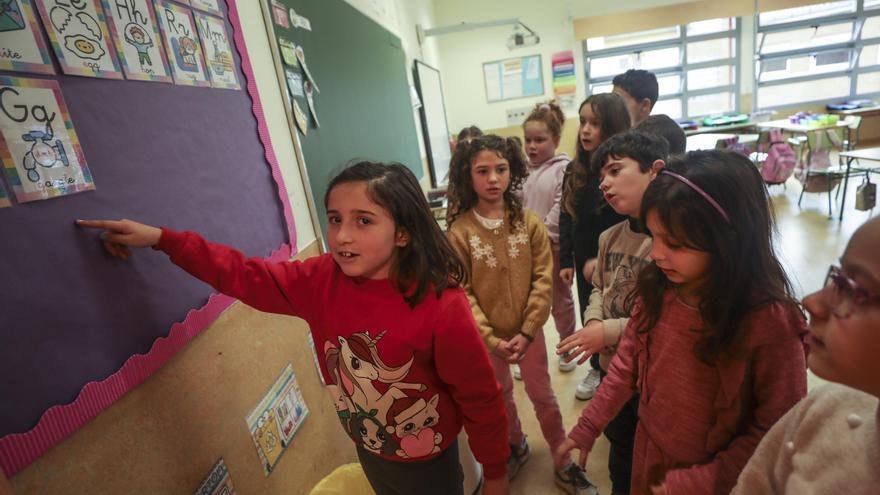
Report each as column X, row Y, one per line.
column 862, row 112
column 867, row 154
column 720, row 128
column 786, row 126
column 706, row 141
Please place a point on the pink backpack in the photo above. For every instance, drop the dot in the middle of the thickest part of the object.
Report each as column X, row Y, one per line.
column 780, row 162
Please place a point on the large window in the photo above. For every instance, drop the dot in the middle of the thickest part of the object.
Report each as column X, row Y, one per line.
column 696, row 65
column 817, row 53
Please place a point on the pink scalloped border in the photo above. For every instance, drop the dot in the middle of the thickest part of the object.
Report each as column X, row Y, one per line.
column 17, row 450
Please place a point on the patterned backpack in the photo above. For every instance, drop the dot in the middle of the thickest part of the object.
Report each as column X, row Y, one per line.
column 780, row 162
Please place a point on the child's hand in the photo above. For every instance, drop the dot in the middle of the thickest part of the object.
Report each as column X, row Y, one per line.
column 567, row 275
column 585, row 342
column 503, row 351
column 518, row 346
column 658, row 489
column 561, row 456
column 119, row 235
column 589, row 268
column 498, row 486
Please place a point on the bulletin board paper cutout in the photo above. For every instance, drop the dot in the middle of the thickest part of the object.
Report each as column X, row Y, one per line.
column 4, row 199
column 182, row 44
column 17, row 450
column 288, row 52
column 41, row 154
column 277, row 417
column 294, row 83
column 135, row 32
column 217, row 482
column 218, row 51
column 22, row 47
column 210, row 6
column 80, row 38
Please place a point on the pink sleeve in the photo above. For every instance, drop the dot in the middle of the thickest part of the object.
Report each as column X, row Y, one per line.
column 270, row 287
column 617, row 388
column 463, row 365
column 778, row 381
column 552, row 218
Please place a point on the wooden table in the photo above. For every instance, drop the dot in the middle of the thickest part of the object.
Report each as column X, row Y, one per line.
column 862, row 112
column 867, row 154
column 720, row 128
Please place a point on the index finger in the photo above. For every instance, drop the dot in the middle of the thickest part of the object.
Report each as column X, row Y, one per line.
column 99, row 224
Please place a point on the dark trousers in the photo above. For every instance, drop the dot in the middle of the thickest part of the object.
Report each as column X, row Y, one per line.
column 441, row 475
column 621, row 434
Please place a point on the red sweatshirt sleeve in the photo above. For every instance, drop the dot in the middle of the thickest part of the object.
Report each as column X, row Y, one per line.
column 617, row 388
column 271, row 287
column 778, row 382
column 463, row 365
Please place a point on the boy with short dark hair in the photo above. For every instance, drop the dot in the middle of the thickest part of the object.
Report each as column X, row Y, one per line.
column 626, row 164
column 663, row 126
column 639, row 90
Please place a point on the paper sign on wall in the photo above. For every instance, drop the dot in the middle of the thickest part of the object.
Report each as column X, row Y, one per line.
column 211, row 6
column 218, row 51
column 41, row 154
column 21, row 45
column 135, row 32
column 4, row 199
column 181, row 44
column 276, row 418
column 217, row 482
column 80, row 38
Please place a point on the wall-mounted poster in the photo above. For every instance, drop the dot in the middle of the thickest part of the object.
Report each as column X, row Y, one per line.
column 274, row 421
column 80, row 38
column 4, row 199
column 182, row 44
column 41, row 154
column 135, row 32
column 210, row 6
column 218, row 51
column 21, row 45
column 513, row 78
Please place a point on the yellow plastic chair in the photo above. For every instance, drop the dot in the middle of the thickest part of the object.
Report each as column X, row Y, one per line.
column 348, row 479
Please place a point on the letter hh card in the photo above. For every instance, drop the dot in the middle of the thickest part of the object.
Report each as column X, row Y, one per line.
column 80, row 38
column 135, row 32
column 41, row 154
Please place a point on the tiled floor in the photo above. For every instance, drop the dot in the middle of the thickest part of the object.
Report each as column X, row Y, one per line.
column 808, row 243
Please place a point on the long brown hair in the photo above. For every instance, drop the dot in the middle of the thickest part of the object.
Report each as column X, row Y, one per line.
column 428, row 259
column 743, row 273
column 461, row 195
column 611, row 111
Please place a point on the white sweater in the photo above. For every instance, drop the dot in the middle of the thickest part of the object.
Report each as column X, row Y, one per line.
column 827, row 444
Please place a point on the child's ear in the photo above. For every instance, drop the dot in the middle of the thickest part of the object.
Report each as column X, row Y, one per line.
column 645, row 106
column 656, row 167
column 402, row 238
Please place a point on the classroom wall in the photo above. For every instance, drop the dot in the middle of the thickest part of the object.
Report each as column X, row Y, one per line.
column 400, row 18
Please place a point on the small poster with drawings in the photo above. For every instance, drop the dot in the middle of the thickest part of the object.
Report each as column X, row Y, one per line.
column 80, row 38
column 217, row 482
column 41, row 154
column 182, row 44
column 22, row 47
column 210, row 6
column 277, row 417
column 218, row 51
column 135, row 32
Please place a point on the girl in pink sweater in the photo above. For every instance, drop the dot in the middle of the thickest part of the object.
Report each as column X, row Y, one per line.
column 715, row 344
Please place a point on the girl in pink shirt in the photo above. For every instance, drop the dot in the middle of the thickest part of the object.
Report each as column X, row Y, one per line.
column 542, row 193
column 715, row 344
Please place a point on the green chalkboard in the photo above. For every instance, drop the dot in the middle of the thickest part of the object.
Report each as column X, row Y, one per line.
column 364, row 107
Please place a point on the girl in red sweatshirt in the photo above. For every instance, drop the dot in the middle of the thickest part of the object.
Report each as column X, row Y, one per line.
column 399, row 347
column 715, row 343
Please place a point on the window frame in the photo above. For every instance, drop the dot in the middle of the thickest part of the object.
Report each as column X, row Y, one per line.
column 854, row 46
column 682, row 68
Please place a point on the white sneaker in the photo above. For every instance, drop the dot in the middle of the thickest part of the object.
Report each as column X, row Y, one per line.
column 564, row 366
column 586, row 389
column 574, row 481
column 518, row 457
column 517, row 374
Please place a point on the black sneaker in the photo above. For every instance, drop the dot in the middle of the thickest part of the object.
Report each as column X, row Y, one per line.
column 518, row 457
column 574, row 481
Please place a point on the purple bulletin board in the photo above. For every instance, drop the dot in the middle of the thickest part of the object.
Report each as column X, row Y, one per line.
column 78, row 329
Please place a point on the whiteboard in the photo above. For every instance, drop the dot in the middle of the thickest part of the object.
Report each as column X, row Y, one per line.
column 434, row 127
